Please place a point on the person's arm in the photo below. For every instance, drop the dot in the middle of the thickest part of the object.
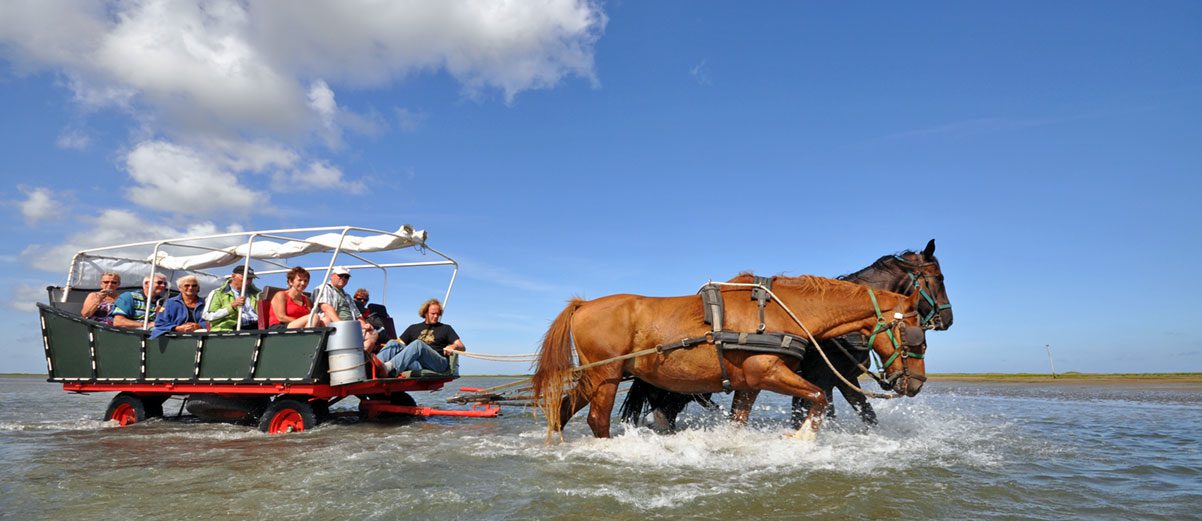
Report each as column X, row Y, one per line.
column 455, row 345
column 214, row 314
column 90, row 304
column 123, row 321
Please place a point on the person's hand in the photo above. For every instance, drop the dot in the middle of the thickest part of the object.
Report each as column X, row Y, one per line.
column 107, row 292
column 239, row 301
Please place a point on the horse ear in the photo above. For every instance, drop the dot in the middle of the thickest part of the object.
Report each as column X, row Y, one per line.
column 929, row 250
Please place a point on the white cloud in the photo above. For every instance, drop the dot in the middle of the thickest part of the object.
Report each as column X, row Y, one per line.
column 319, row 175
column 183, row 181
column 701, row 73
column 23, row 297
column 39, row 204
column 409, row 120
column 73, row 139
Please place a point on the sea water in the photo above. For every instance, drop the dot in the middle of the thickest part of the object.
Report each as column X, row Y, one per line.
column 958, row 450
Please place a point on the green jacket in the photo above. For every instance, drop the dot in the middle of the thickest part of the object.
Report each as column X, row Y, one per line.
column 220, row 311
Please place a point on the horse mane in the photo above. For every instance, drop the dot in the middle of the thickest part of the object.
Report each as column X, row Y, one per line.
column 812, row 283
column 885, row 262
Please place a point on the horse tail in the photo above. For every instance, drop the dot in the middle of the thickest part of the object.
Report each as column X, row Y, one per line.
column 554, row 369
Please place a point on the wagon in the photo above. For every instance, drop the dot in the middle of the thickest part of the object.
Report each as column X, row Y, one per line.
column 279, row 379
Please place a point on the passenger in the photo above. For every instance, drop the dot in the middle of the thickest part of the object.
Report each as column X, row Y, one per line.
column 182, row 313
column 130, row 308
column 221, row 311
column 424, row 345
column 331, row 299
column 371, row 316
column 290, row 308
column 99, row 304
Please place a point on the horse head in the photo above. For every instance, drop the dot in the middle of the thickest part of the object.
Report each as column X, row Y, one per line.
column 919, row 272
column 901, row 346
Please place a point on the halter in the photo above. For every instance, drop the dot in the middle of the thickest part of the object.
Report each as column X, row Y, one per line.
column 919, row 282
column 889, row 327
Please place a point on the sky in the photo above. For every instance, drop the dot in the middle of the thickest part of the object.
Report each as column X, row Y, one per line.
column 563, row 148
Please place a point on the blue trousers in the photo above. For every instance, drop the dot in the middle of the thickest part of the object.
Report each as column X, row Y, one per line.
column 417, row 355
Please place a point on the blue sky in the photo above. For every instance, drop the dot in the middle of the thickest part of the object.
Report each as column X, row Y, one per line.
column 559, row 148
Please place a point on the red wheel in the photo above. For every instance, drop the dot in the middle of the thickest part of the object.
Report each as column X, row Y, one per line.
column 125, row 414
column 287, row 415
column 126, row 409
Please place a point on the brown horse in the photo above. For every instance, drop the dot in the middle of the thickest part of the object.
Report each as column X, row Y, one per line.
column 621, row 325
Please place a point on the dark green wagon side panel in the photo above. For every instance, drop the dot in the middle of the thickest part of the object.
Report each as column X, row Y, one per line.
column 289, row 355
column 227, row 357
column 70, row 353
column 118, row 354
column 171, row 357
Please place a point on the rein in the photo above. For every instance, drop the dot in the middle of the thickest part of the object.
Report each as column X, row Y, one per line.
column 880, row 319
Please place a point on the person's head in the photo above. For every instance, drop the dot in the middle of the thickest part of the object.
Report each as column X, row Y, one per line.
column 298, row 275
column 340, row 276
column 159, row 286
column 239, row 274
column 361, row 297
column 189, row 285
column 110, row 281
column 431, row 310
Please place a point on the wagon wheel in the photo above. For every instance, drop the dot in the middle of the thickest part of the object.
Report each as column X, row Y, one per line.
column 287, row 415
column 127, row 409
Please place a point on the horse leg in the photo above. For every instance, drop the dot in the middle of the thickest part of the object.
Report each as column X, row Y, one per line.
column 777, row 377
column 740, row 406
column 571, row 404
column 859, row 402
column 602, row 403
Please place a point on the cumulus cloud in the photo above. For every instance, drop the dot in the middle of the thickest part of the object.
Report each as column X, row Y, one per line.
column 318, row 175
column 181, row 180
column 223, row 90
column 39, row 204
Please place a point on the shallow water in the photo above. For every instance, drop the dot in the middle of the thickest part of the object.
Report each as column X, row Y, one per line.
column 959, row 450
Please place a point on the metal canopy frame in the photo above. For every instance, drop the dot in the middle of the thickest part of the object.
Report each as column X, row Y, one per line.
column 251, row 236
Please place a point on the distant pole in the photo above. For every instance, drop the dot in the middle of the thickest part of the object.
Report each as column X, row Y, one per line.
column 1049, row 348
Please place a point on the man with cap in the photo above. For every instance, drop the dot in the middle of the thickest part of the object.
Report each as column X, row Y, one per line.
column 224, row 302
column 331, row 299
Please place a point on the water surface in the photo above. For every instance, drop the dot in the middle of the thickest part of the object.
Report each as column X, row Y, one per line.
column 980, row 450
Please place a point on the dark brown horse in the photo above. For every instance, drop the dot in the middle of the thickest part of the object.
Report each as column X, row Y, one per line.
column 632, row 326
column 905, row 273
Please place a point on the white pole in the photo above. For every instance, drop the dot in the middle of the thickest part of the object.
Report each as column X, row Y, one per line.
column 1048, row 347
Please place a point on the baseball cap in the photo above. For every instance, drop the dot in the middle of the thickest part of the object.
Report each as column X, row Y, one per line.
column 243, row 270
column 341, row 270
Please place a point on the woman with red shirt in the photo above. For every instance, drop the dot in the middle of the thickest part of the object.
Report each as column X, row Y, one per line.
column 291, row 308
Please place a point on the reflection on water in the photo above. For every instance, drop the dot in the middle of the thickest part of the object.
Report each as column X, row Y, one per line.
column 958, row 449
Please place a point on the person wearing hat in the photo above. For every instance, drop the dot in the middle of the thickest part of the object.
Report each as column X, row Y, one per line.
column 224, row 302
column 332, row 301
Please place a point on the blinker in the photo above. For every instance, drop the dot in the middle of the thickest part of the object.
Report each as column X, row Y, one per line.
column 914, row 336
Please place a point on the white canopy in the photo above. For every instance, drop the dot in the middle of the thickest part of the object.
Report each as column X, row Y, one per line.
column 134, row 261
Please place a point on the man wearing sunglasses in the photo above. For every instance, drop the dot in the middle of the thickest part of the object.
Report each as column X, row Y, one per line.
column 130, row 309
column 332, row 300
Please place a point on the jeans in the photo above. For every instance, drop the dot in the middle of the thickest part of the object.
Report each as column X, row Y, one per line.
column 415, row 356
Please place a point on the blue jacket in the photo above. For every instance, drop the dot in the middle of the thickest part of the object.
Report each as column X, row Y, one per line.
column 176, row 313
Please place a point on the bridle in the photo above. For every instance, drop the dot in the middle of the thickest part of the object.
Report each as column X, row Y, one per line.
column 919, row 281
column 895, row 330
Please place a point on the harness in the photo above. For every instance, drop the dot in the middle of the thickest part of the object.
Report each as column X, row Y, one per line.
column 712, row 303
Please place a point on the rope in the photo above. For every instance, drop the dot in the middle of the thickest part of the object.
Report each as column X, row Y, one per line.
column 651, row 350
column 492, row 357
